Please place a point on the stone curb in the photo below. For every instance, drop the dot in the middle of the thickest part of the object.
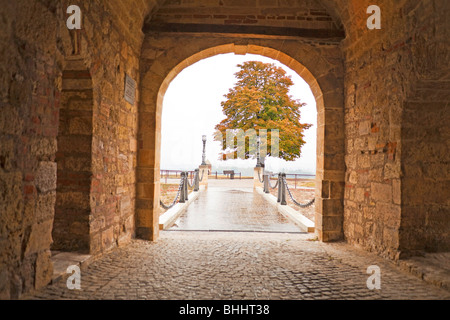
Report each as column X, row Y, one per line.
column 64, row 260
column 304, row 223
column 169, row 217
column 426, row 271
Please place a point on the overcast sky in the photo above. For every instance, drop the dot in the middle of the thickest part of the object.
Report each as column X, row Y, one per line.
column 192, row 109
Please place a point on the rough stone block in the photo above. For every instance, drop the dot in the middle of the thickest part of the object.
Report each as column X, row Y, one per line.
column 79, row 228
column 44, row 269
column 40, row 237
column 145, row 190
column 381, row 192
column 45, row 206
column 4, row 285
column 336, row 190
column 95, row 243
column 365, row 127
column 332, row 207
column 389, row 213
column 46, row 177
column 396, row 191
column 80, row 163
column 391, row 238
column 6, row 154
column 75, row 200
column 334, row 162
column 81, row 126
column 332, row 223
column 143, row 217
column 43, row 148
column 108, row 238
column 392, row 171
column 125, row 206
column 323, row 189
column 75, row 144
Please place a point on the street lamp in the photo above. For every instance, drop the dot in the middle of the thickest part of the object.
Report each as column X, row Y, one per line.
column 204, row 151
column 258, row 153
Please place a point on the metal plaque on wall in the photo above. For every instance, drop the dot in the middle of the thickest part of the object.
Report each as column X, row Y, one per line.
column 130, row 89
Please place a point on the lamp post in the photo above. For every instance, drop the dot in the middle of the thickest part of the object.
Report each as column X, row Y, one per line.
column 204, row 151
column 258, row 153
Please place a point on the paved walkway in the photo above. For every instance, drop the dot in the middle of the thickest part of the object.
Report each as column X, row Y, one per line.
column 233, row 206
column 247, row 266
column 238, row 265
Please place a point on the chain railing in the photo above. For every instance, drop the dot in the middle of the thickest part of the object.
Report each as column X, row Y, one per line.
column 304, row 206
column 197, row 173
column 180, row 189
column 282, row 188
column 281, row 184
column 183, row 189
column 190, row 184
column 259, row 177
column 269, row 180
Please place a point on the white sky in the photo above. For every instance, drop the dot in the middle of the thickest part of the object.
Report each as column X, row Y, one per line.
column 192, row 108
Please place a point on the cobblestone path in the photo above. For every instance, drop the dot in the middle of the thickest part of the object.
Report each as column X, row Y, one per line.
column 232, row 265
column 248, row 266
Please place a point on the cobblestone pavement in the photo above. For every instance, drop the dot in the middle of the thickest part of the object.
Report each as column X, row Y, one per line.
column 239, row 266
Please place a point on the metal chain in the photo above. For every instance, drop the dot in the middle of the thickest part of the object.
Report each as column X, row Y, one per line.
column 203, row 173
column 270, row 184
column 309, row 204
column 176, row 199
column 189, row 183
column 259, row 177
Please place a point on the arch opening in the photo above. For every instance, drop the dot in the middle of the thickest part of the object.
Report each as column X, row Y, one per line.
column 192, row 108
column 330, row 169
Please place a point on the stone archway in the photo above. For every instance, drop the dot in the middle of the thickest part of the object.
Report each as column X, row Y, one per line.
column 164, row 58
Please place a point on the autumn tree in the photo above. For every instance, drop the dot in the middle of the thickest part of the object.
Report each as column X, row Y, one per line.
column 260, row 101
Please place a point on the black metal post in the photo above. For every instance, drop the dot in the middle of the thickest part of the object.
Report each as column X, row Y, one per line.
column 197, row 180
column 258, row 154
column 266, row 183
column 283, row 189
column 279, row 188
column 186, row 186
column 183, row 188
column 204, row 151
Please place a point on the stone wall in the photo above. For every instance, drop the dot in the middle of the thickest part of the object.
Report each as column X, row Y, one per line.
column 382, row 67
column 425, row 224
column 297, row 13
column 28, row 127
column 425, row 181
column 35, row 48
column 74, row 161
